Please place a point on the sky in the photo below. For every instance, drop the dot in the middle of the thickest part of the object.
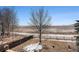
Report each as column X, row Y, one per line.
column 61, row 15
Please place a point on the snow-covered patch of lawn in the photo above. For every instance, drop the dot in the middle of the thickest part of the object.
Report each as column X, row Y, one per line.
column 33, row 48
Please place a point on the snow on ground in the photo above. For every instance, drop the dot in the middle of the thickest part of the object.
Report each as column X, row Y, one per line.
column 33, row 47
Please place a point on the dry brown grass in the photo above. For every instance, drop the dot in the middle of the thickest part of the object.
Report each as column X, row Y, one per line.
column 49, row 46
column 11, row 38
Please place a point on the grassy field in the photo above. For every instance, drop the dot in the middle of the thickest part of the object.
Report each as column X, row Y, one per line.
column 51, row 30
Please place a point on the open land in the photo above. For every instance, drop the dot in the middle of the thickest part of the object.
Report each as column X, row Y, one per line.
column 50, row 45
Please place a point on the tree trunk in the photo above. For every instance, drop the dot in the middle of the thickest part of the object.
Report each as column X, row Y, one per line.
column 8, row 31
column 3, row 31
column 40, row 37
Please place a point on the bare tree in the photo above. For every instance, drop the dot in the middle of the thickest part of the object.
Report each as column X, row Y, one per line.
column 9, row 19
column 1, row 26
column 40, row 21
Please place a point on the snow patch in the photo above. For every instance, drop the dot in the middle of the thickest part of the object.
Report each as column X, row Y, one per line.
column 33, row 47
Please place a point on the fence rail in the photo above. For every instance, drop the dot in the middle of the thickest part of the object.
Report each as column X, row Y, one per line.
column 14, row 43
column 57, row 37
